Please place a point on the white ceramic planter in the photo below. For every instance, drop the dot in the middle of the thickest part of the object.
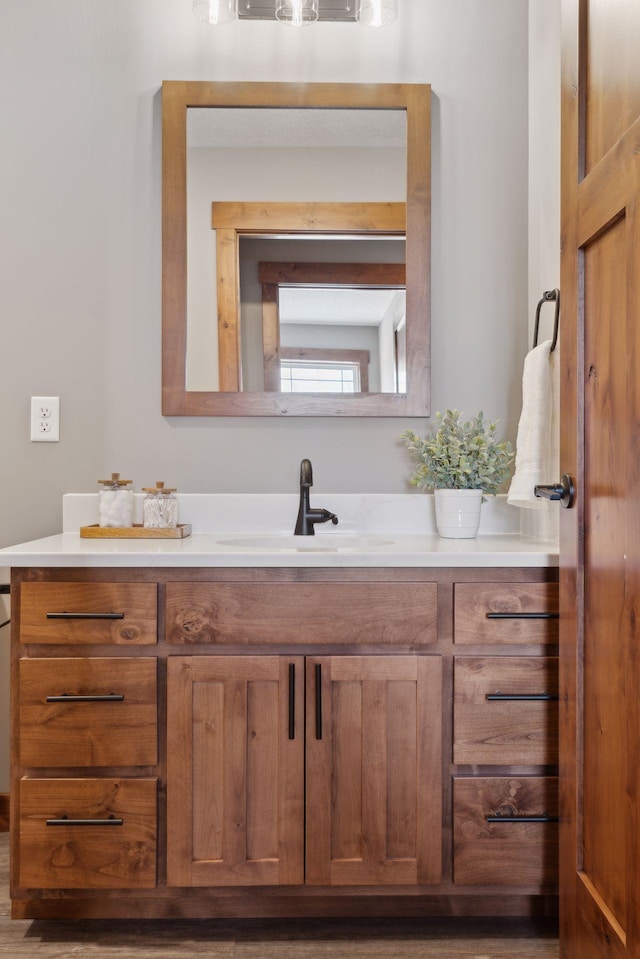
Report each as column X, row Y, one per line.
column 458, row 512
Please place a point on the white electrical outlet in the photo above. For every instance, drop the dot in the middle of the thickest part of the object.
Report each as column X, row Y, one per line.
column 45, row 419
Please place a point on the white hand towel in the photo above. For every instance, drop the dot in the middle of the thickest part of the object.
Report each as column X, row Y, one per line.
column 534, row 430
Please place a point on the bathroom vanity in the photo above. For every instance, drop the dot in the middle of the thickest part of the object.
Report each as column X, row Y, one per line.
column 207, row 729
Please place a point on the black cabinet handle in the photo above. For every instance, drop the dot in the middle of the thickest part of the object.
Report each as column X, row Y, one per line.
column 292, row 700
column 85, row 615
column 69, row 698
column 523, row 615
column 318, row 701
column 65, row 821
column 541, row 818
column 522, row 698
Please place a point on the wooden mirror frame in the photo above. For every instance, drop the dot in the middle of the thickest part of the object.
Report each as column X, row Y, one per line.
column 177, row 98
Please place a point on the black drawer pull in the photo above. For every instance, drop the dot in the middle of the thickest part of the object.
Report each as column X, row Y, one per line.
column 85, row 615
column 522, row 698
column 318, row 672
column 65, row 821
column 70, row 698
column 292, row 700
column 523, row 615
column 541, row 818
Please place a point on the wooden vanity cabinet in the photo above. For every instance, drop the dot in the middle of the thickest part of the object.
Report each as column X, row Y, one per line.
column 282, row 742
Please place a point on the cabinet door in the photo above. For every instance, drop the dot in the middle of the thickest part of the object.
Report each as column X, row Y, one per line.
column 235, row 771
column 374, row 770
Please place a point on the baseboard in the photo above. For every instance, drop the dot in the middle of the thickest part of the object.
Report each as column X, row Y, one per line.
column 4, row 812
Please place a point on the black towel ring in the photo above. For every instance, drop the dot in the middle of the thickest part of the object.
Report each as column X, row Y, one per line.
column 549, row 297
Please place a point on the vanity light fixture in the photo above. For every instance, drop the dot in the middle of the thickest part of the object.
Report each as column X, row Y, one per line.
column 373, row 13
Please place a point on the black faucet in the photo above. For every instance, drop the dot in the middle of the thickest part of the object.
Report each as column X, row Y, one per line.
column 307, row 517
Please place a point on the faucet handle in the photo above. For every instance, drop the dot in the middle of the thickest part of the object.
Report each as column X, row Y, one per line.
column 326, row 515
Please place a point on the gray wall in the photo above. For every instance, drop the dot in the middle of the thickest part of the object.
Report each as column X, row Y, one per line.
column 544, row 217
column 80, row 263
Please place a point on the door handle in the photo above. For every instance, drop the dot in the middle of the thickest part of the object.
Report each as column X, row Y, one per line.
column 564, row 491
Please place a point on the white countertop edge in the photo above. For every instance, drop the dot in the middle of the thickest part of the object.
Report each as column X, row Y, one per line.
column 206, row 550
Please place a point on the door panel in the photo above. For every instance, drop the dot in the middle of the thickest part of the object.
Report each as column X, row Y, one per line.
column 605, row 823
column 374, row 770
column 612, row 97
column 600, row 539
column 235, row 770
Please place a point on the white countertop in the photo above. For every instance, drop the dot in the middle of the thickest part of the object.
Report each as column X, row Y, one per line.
column 210, row 549
column 238, row 530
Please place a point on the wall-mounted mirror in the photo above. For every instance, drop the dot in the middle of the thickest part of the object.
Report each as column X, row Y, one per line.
column 373, row 203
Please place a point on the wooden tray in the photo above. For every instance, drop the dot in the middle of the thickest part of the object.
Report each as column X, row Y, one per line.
column 137, row 531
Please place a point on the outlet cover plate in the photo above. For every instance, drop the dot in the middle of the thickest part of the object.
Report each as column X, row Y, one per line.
column 45, row 419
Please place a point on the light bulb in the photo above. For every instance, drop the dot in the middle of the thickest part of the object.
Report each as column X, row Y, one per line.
column 377, row 13
column 215, row 12
column 297, row 13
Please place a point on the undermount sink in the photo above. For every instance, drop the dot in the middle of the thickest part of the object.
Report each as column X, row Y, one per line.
column 318, row 543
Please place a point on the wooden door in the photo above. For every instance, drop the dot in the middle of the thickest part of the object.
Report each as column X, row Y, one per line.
column 235, row 770
column 374, row 770
column 600, row 445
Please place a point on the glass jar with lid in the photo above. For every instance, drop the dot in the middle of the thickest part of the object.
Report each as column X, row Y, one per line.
column 115, row 502
column 159, row 507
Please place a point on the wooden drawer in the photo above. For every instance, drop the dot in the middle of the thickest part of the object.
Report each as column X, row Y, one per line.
column 506, row 612
column 516, row 850
column 313, row 613
column 92, row 731
column 109, row 843
column 89, row 613
column 517, row 725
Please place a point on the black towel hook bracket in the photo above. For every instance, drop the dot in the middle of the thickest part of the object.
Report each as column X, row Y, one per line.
column 550, row 296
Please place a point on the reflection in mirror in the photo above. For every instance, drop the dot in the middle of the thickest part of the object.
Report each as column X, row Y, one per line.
column 303, row 151
column 268, row 157
column 340, row 341
column 338, row 327
column 272, row 223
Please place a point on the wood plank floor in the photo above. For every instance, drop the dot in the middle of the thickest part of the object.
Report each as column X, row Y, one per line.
column 262, row 939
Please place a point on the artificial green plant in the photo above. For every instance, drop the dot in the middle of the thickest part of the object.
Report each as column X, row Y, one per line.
column 460, row 455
